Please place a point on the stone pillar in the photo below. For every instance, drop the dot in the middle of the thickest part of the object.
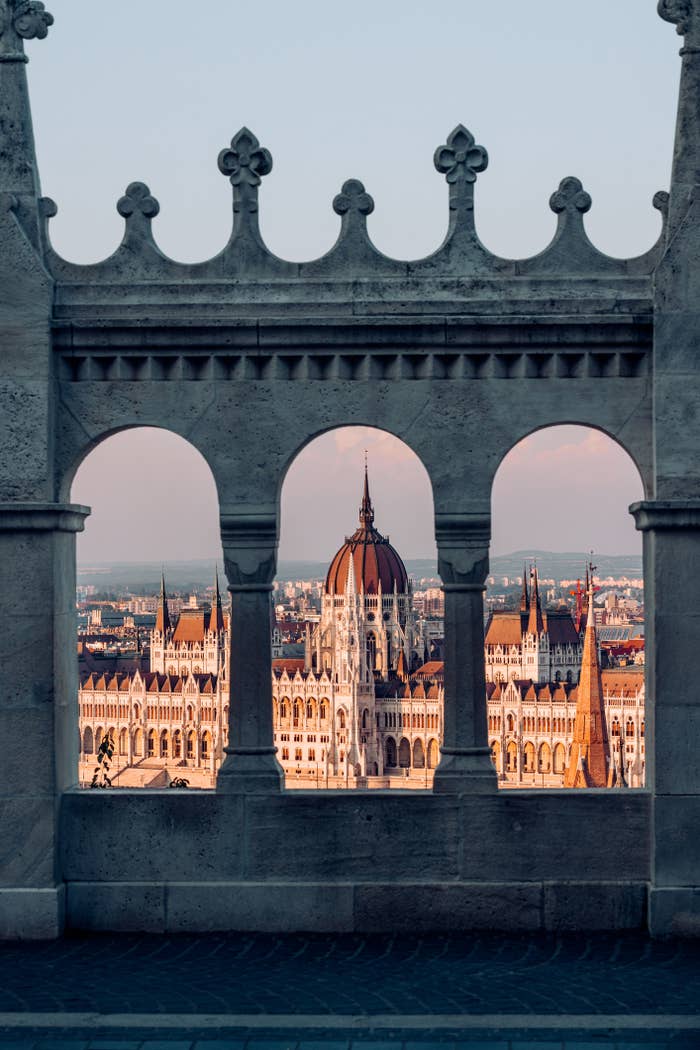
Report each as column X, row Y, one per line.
column 250, row 558
column 672, row 711
column 462, row 541
column 38, row 708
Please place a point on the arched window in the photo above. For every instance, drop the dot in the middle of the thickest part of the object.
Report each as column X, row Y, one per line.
column 365, row 719
column 641, row 730
column 177, row 744
column 404, row 753
column 615, row 727
column 283, row 708
column 309, row 710
column 559, row 758
column 190, row 745
column 433, row 754
column 138, row 743
column 206, row 746
column 496, row 755
column 544, row 759
column 341, row 719
column 164, row 745
column 298, row 707
column 390, row 751
column 151, row 743
column 88, row 742
column 418, row 754
column 512, row 757
column 510, row 722
column 190, row 713
column 629, row 728
column 529, row 758
column 371, row 651
column 323, row 711
column 123, row 741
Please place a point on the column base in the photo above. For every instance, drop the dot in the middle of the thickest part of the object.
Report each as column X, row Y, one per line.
column 33, row 914
column 674, row 911
column 250, row 771
column 465, row 770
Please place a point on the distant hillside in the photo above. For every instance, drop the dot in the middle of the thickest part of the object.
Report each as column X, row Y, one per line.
column 569, row 565
column 144, row 577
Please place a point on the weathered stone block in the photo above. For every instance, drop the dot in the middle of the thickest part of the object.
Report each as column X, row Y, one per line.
column 126, row 907
column 351, row 835
column 31, row 914
column 525, row 835
column 594, row 905
column 676, row 850
column 676, row 730
column 425, row 907
column 28, row 842
column 153, row 836
column 674, row 912
column 262, row 906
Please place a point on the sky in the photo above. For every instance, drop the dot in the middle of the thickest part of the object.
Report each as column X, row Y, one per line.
column 153, row 91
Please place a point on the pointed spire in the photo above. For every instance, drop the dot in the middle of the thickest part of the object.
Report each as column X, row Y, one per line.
column 366, row 508
column 524, row 597
column 19, row 174
column 401, row 670
column 216, row 617
column 162, row 616
column 589, row 750
column 535, row 623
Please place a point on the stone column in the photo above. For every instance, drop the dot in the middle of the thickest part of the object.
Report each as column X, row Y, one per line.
column 250, row 558
column 463, row 541
column 672, row 712
column 38, row 708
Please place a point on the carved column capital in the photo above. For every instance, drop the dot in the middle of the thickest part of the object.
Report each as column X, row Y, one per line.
column 463, row 548
column 249, row 542
column 42, row 517
column 652, row 515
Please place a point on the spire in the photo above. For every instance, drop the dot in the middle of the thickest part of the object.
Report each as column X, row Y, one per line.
column 20, row 20
column 685, row 172
column 589, row 759
column 524, row 597
column 216, row 617
column 162, row 616
column 366, row 508
column 401, row 671
column 535, row 623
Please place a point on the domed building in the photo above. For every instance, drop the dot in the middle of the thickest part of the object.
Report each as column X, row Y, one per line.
column 355, row 689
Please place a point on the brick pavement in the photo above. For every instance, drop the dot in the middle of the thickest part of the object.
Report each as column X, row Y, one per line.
column 322, row 992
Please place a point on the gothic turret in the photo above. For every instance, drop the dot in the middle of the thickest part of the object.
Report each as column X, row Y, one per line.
column 162, row 616
column 524, row 596
column 216, row 617
column 535, row 623
column 20, row 20
column 590, row 758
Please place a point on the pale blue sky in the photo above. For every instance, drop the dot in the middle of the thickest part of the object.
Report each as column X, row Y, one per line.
column 153, row 91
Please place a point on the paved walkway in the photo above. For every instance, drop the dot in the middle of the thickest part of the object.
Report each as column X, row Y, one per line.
column 245, row 992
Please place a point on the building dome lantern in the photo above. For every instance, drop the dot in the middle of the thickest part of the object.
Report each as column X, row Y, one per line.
column 376, row 566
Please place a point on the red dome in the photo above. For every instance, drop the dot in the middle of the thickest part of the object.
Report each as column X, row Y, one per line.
column 373, row 558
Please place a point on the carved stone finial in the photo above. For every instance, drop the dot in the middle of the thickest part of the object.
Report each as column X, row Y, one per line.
column 31, row 19
column 570, row 197
column 138, row 200
column 460, row 158
column 137, row 207
column 353, row 198
column 685, row 15
column 245, row 162
column 21, row 20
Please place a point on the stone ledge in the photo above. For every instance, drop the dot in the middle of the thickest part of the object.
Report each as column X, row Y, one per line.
column 305, row 907
column 666, row 514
